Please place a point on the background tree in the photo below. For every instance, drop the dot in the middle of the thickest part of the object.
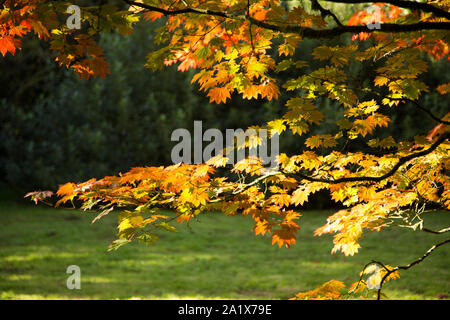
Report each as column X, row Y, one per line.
column 379, row 68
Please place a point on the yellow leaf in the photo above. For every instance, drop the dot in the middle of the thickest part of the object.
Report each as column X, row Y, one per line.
column 219, row 95
column 381, row 81
column 300, row 196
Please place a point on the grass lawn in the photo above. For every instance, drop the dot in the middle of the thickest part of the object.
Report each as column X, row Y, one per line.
column 217, row 257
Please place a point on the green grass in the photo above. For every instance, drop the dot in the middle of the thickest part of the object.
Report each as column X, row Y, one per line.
column 217, row 257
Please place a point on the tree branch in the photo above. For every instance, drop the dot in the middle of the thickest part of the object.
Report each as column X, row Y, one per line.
column 242, row 187
column 325, row 12
column 419, row 260
column 412, row 5
column 436, row 231
column 304, row 31
column 433, row 116
column 406, row 267
column 401, row 161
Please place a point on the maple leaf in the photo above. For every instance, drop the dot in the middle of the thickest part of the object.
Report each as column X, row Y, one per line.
column 262, row 226
column 281, row 199
column 7, row 44
column 67, row 189
column 152, row 15
column 284, row 236
column 443, row 88
column 325, row 141
column 381, row 81
column 219, row 95
column 300, row 196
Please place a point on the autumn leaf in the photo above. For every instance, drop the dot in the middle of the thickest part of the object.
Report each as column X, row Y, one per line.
column 300, row 196
column 219, row 95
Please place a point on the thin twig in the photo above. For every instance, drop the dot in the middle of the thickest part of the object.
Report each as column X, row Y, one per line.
column 413, row 263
